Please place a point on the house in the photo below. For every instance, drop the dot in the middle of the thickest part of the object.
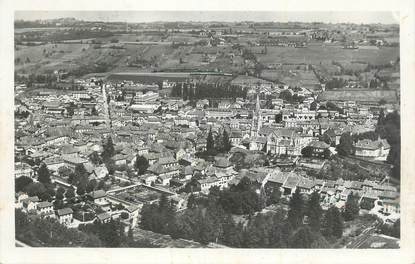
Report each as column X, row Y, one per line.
column 276, row 180
column 235, row 137
column 30, row 203
column 165, row 169
column 142, row 150
column 368, row 199
column 257, row 143
column 391, row 206
column 319, row 148
column 134, row 213
column 65, row 216
column 372, row 149
column 54, row 163
column 164, row 179
column 207, row 183
column 23, row 169
column 100, row 172
column 72, row 162
column 148, row 178
column 187, row 172
column 290, row 184
column 120, row 159
column 202, row 103
column 104, row 217
column 98, row 197
column 20, row 196
column 286, row 141
column 45, row 209
column 306, row 185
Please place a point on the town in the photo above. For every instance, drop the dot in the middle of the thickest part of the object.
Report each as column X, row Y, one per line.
column 245, row 134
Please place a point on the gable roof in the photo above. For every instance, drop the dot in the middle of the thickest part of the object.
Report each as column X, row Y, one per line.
column 103, row 216
column 97, row 194
column 64, row 211
column 44, row 204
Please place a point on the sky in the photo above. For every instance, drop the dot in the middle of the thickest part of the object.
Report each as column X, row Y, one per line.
column 206, row 16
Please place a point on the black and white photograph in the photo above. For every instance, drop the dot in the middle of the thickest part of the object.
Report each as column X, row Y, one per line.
column 207, row 129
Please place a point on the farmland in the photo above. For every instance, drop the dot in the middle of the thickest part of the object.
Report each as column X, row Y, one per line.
column 314, row 54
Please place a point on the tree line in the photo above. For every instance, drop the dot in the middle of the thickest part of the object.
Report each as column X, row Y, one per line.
column 210, row 219
column 191, row 91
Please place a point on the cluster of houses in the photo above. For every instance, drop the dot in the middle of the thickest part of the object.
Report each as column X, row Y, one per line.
column 66, row 129
column 102, row 212
column 370, row 194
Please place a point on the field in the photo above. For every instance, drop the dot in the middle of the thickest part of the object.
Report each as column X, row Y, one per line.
column 141, row 52
column 314, row 54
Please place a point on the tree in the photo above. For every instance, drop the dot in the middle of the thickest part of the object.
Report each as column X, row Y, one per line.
column 191, row 201
column 35, row 189
column 141, row 164
column 94, row 111
column 70, row 193
column 381, row 119
column 351, row 208
column 92, row 185
column 209, row 142
column 345, row 147
column 226, row 142
column 64, row 172
column 302, row 238
column 43, row 174
column 95, row 158
column 59, row 193
column 21, row 183
column 313, row 106
column 307, row 151
column 274, row 196
column 326, row 153
column 326, row 138
column 80, row 176
column 163, row 202
column 278, row 118
column 296, row 211
column 286, row 96
column 333, row 223
column 314, row 211
column 109, row 149
column 80, row 189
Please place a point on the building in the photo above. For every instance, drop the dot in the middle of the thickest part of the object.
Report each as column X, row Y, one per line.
column 30, row 204
column 318, row 148
column 104, row 217
column 71, row 162
column 149, row 96
column 372, row 149
column 23, row 169
column 207, row 183
column 65, row 216
column 98, row 197
column 285, row 141
column 45, row 209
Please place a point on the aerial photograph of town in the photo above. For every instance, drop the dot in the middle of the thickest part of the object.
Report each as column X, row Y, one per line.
column 139, row 129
